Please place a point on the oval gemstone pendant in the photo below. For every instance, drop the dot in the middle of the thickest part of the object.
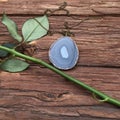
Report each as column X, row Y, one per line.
column 64, row 53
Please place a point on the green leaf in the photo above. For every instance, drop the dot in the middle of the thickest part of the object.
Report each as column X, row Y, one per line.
column 35, row 28
column 13, row 65
column 4, row 53
column 12, row 27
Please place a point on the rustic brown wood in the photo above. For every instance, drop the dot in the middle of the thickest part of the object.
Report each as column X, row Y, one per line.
column 54, row 96
column 81, row 7
column 40, row 94
column 98, row 38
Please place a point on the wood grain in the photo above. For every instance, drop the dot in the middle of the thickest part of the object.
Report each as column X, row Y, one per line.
column 40, row 94
column 77, row 7
column 98, row 39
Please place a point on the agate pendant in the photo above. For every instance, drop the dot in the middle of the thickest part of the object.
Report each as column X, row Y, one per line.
column 64, row 53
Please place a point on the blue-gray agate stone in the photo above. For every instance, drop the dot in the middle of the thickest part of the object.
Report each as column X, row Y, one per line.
column 64, row 53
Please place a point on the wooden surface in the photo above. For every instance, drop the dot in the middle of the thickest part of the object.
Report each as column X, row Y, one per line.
column 40, row 94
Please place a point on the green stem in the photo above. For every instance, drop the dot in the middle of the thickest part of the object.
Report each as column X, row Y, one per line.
column 103, row 96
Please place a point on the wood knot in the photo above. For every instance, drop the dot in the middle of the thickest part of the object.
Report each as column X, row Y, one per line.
column 53, row 97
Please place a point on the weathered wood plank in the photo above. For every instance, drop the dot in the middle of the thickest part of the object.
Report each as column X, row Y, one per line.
column 58, row 113
column 31, row 94
column 98, row 39
column 40, row 94
column 77, row 7
column 36, row 78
